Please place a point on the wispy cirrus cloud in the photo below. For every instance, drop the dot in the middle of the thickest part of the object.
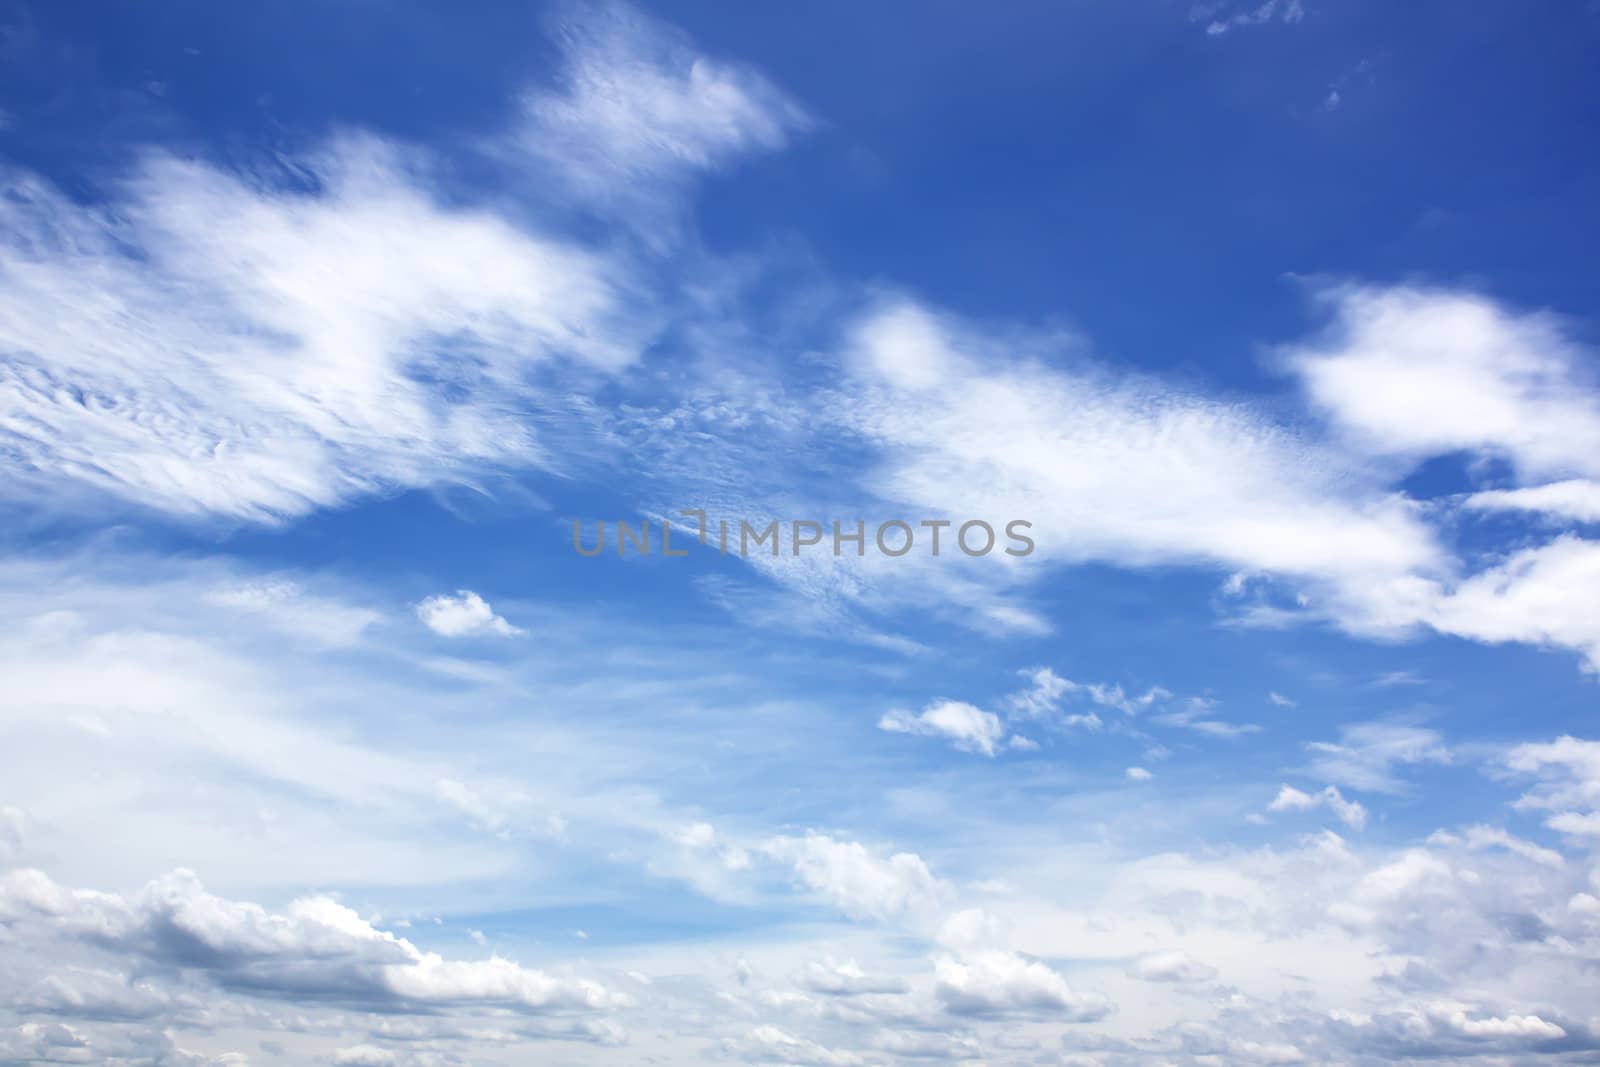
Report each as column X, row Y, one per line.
column 638, row 112
column 257, row 343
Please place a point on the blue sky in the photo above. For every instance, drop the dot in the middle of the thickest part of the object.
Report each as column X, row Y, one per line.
column 321, row 325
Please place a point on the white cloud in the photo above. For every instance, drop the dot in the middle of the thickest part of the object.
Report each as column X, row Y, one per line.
column 1508, row 1026
column 1425, row 372
column 861, row 883
column 1486, row 837
column 1575, row 498
column 317, row 948
column 219, row 345
column 260, row 342
column 1044, row 694
column 1568, row 774
column 845, row 979
column 466, row 614
column 1125, row 471
column 1041, row 701
column 1366, row 755
column 1260, row 14
column 964, row 726
column 1195, row 714
column 1543, row 595
column 1138, row 774
column 999, row 983
column 971, row 419
column 639, row 109
column 1349, row 812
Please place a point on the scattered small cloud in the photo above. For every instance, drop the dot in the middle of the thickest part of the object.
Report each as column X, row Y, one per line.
column 1349, row 812
column 968, row 728
column 466, row 614
column 1219, row 20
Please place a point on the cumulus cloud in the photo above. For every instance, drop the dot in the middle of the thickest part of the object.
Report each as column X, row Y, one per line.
column 860, row 882
column 966, row 727
column 1542, row 595
column 1412, row 373
column 466, row 614
column 1349, row 812
column 317, row 949
column 1425, row 372
column 999, row 983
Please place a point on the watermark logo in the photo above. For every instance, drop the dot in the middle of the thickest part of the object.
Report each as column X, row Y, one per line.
column 741, row 537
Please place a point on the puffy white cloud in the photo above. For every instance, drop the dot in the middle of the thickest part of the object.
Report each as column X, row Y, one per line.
column 995, row 982
column 364, row 1056
column 318, row 948
column 966, row 727
column 1425, row 372
column 1568, row 774
column 858, row 881
column 1542, row 595
column 466, row 614
column 1351, row 813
